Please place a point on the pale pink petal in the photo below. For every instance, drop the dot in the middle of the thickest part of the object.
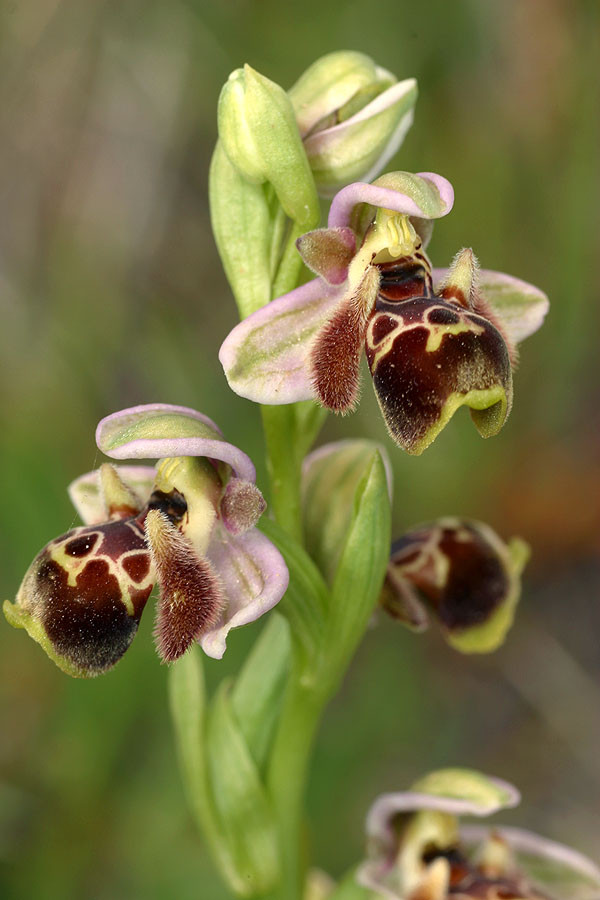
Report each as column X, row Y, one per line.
column 265, row 357
column 254, row 578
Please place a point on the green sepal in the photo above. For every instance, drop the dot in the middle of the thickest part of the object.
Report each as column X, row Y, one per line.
column 484, row 795
column 331, row 83
column 361, row 569
column 329, row 484
column 306, row 600
column 258, row 689
column 241, row 804
column 258, row 129
column 118, row 431
column 187, row 702
column 360, row 149
column 244, row 227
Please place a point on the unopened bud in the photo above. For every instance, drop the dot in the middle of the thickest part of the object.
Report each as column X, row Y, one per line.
column 258, row 130
column 353, row 116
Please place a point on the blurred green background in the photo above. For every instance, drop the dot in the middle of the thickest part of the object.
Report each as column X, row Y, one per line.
column 111, row 293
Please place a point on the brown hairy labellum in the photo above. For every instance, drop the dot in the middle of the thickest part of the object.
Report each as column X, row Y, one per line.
column 428, row 357
column 86, row 592
column 191, row 598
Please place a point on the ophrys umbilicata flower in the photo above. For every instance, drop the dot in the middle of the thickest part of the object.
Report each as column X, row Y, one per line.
column 186, row 525
column 418, row 851
column 461, row 573
column 434, row 340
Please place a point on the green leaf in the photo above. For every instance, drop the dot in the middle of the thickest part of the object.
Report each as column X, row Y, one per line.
column 257, row 692
column 188, row 705
column 330, row 478
column 361, row 569
column 243, row 226
column 306, row 599
column 241, row 803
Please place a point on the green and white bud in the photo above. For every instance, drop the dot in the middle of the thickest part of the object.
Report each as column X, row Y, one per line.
column 353, row 116
column 258, row 130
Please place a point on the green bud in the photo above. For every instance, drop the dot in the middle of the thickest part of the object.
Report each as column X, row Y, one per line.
column 353, row 116
column 361, row 568
column 332, row 83
column 257, row 127
column 329, row 481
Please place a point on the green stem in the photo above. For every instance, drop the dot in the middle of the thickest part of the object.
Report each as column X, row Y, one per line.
column 298, row 724
column 285, row 467
column 280, row 425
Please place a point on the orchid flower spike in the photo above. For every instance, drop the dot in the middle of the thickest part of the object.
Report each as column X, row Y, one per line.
column 461, row 573
column 434, row 340
column 187, row 525
column 417, row 851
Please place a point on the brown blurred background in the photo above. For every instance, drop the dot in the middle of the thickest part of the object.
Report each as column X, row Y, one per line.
column 111, row 293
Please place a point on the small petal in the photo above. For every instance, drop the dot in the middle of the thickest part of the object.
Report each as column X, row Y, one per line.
column 254, row 578
column 460, row 283
column 425, row 195
column 520, row 307
column 87, row 498
column 265, row 356
column 120, row 500
column 191, row 599
column 337, row 350
column 241, row 506
column 159, row 430
column 328, row 252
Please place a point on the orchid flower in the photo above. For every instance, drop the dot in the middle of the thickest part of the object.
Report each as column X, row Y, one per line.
column 463, row 574
column 435, row 340
column 186, row 525
column 417, row 851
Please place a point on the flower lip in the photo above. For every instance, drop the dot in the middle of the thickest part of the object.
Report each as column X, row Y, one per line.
column 135, row 433
column 342, row 205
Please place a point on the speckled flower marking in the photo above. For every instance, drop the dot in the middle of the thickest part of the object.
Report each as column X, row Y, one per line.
column 435, row 340
column 187, row 525
column 88, row 589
